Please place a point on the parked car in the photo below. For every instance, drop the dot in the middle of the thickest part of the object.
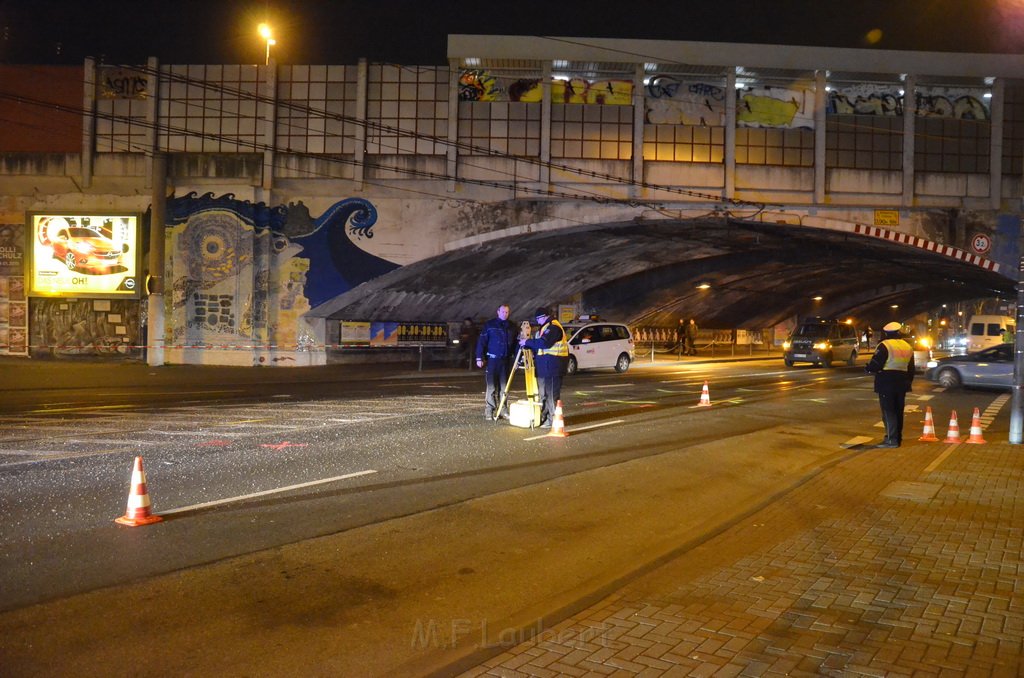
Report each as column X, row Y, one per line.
column 991, row 367
column 820, row 341
column 599, row 344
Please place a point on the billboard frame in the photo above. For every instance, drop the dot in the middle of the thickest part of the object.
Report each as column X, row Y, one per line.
column 133, row 281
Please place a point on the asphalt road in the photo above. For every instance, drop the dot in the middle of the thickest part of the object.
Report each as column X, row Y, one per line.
column 425, row 513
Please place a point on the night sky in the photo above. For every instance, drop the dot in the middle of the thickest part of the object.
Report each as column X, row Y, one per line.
column 414, row 32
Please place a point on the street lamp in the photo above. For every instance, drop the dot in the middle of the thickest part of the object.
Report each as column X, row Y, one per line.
column 265, row 33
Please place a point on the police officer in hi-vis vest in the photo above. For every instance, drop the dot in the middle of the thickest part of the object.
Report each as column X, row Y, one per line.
column 893, row 367
column 551, row 350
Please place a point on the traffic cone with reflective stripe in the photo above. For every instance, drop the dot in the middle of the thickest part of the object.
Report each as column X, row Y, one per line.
column 558, row 423
column 953, row 436
column 929, row 428
column 975, row 436
column 705, row 397
column 138, row 512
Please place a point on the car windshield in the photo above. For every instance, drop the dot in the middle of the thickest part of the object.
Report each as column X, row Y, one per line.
column 812, row 331
column 84, row 233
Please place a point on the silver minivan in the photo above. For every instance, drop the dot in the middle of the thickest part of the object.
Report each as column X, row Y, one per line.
column 599, row 344
column 821, row 341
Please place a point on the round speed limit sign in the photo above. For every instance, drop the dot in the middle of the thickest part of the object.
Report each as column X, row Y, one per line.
column 981, row 243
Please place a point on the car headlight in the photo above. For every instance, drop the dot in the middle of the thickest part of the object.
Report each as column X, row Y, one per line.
column 932, row 363
column 786, row 345
column 822, row 346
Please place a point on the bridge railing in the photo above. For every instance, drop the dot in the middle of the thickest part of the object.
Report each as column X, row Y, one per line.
column 650, row 342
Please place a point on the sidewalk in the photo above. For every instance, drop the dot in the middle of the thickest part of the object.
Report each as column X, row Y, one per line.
column 902, row 562
column 17, row 373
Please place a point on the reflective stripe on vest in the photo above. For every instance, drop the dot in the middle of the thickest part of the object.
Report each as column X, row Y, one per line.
column 900, row 353
column 560, row 348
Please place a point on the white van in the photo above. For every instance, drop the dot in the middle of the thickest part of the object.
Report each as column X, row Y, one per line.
column 987, row 330
column 599, row 344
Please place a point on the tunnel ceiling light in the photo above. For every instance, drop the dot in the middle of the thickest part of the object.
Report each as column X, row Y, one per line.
column 704, row 286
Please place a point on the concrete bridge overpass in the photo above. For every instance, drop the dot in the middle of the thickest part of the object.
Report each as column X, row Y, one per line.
column 647, row 271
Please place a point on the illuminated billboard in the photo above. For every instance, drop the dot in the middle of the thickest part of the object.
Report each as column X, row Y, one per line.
column 84, row 255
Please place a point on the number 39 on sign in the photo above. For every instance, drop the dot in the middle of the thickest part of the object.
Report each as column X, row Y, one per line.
column 981, row 243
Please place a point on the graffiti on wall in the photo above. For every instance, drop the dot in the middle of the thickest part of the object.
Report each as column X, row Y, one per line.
column 775, row 107
column 670, row 101
column 86, row 327
column 117, row 82
column 947, row 102
column 864, row 100
column 244, row 273
column 934, row 102
column 13, row 301
column 482, row 85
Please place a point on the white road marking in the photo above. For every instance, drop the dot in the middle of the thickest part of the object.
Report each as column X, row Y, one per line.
column 576, row 429
column 264, row 493
column 854, row 442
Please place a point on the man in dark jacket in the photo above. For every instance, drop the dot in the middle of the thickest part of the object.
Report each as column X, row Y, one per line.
column 551, row 350
column 494, row 347
column 893, row 367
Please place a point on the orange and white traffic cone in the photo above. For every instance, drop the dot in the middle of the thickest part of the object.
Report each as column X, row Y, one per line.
column 929, row 428
column 138, row 512
column 953, row 436
column 975, row 436
column 558, row 423
column 705, row 397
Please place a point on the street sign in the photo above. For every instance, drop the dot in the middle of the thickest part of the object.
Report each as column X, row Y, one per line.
column 981, row 243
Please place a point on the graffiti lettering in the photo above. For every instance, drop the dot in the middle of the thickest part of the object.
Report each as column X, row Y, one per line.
column 117, row 83
column 662, row 87
column 478, row 86
column 672, row 102
column 875, row 103
column 965, row 107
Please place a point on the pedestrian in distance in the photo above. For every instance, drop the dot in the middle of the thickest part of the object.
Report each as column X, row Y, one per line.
column 691, row 337
column 494, row 352
column 467, row 339
column 893, row 367
column 681, row 335
column 551, row 350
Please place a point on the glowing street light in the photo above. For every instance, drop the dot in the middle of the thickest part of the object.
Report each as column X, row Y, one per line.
column 265, row 33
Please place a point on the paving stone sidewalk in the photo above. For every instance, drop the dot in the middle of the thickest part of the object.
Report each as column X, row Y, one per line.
column 892, row 563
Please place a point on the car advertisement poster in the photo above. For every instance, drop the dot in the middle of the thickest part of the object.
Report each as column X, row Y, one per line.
column 84, row 255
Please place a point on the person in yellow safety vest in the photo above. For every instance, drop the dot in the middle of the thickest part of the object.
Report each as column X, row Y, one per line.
column 893, row 367
column 550, row 347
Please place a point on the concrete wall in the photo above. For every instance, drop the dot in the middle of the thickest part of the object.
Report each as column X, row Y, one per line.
column 424, row 147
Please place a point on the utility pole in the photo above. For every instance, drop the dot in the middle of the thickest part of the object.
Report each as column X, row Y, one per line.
column 1017, row 401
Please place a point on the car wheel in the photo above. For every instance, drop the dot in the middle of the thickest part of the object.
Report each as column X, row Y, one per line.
column 622, row 364
column 788, row 362
column 949, row 378
column 69, row 261
column 852, row 360
column 572, row 367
